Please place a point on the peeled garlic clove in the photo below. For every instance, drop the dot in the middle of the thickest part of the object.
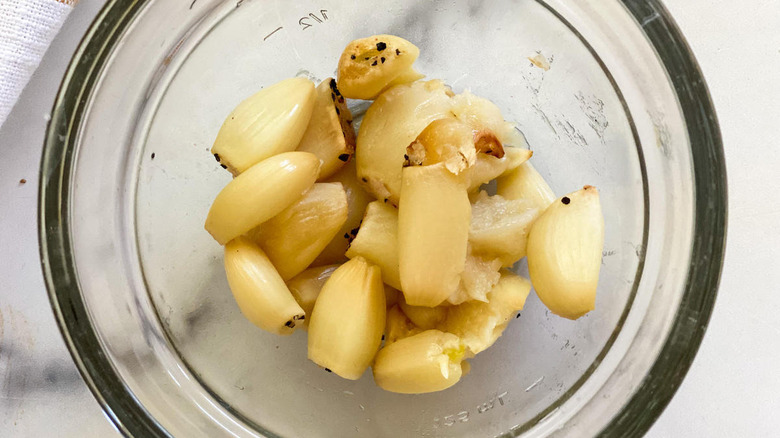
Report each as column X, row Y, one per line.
column 306, row 286
column 377, row 241
column 499, row 227
column 525, row 182
column 357, row 201
column 564, row 253
column 259, row 291
column 433, row 227
column 348, row 319
column 391, row 123
column 398, row 326
column 260, row 193
column 269, row 122
column 480, row 324
column 369, row 65
column 294, row 237
column 426, row 362
column 425, row 318
column 330, row 135
column 488, row 168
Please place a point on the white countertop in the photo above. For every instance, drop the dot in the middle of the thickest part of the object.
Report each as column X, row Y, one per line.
column 733, row 387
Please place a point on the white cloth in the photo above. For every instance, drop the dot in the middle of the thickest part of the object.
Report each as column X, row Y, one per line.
column 27, row 27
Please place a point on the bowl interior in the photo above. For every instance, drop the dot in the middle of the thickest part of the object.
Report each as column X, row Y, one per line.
column 152, row 279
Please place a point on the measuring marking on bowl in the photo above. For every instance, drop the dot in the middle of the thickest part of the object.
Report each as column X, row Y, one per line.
column 304, row 22
column 463, row 416
column 314, row 17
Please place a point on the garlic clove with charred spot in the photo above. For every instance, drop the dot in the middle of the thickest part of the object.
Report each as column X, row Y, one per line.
column 377, row 241
column 564, row 253
column 370, row 65
column 330, row 135
column 259, row 291
column 267, row 123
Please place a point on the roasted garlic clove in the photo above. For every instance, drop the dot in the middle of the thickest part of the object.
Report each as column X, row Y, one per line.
column 448, row 141
column 370, row 65
column 499, row 227
column 433, row 223
column 564, row 253
column 269, row 122
column 389, row 126
column 294, row 237
column 260, row 193
column 426, row 362
column 525, row 182
column 259, row 291
column 357, row 200
column 330, row 135
column 348, row 319
column 377, row 241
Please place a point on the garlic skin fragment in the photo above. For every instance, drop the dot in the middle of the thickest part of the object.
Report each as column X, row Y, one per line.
column 259, row 291
column 260, row 193
column 348, row 319
column 267, row 123
column 564, row 253
column 426, row 362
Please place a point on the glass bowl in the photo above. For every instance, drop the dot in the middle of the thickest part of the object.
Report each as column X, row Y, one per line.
column 138, row 286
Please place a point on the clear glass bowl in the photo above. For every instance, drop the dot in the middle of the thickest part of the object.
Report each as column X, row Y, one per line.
column 138, row 286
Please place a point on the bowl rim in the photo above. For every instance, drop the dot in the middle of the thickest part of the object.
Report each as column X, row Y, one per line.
column 651, row 396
